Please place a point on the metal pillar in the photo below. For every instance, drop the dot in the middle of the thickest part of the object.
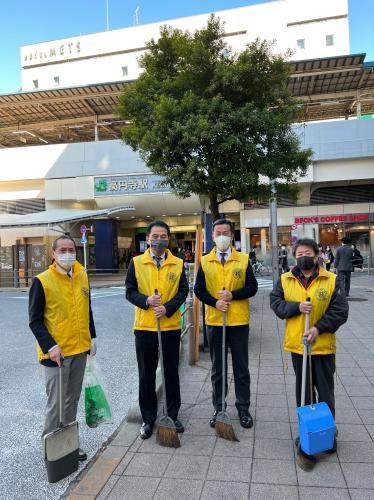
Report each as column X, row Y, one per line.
column 274, row 232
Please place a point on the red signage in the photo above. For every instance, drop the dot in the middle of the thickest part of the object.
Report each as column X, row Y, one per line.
column 322, row 219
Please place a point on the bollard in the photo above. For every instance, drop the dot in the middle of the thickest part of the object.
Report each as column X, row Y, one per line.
column 191, row 331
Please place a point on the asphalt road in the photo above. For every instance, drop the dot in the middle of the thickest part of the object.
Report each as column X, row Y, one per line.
column 22, row 471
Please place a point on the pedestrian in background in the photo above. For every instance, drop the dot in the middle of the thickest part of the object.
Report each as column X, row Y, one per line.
column 224, row 282
column 157, row 269
column 60, row 317
column 343, row 264
column 329, row 258
column 328, row 310
column 283, row 259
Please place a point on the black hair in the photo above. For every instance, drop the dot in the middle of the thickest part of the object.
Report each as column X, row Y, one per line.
column 157, row 223
column 63, row 237
column 346, row 240
column 307, row 242
column 220, row 222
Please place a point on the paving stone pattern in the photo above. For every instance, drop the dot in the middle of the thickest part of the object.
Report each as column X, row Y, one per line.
column 262, row 465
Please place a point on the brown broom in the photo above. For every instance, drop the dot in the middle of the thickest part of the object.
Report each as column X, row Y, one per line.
column 223, row 426
column 166, row 431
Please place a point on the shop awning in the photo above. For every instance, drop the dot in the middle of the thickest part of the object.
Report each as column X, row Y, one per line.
column 59, row 216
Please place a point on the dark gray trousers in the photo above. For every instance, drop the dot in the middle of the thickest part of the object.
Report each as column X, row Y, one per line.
column 237, row 340
column 344, row 279
column 72, row 379
column 323, row 369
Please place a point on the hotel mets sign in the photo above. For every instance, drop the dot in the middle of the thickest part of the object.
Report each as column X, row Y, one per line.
column 121, row 185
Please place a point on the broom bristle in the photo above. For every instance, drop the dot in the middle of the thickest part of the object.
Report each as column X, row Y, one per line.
column 166, row 436
column 225, row 431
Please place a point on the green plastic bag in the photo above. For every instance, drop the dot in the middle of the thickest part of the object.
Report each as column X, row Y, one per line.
column 97, row 407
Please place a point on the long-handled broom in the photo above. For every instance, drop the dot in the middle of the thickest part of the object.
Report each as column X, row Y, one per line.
column 223, row 427
column 166, row 431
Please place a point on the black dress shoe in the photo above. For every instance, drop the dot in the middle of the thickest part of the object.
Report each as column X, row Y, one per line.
column 212, row 421
column 146, row 430
column 82, row 456
column 245, row 419
column 179, row 426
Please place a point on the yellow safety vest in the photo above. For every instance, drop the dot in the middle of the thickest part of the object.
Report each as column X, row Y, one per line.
column 66, row 311
column 320, row 292
column 230, row 277
column 166, row 281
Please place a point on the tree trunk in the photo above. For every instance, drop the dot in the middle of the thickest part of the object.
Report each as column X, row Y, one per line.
column 214, row 207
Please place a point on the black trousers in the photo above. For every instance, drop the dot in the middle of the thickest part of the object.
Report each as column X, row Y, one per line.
column 146, row 344
column 323, row 369
column 237, row 340
column 344, row 278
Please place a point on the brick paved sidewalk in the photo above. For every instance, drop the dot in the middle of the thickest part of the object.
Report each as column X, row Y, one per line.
column 262, row 465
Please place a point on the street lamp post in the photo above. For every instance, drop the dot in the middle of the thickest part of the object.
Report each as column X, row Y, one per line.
column 274, row 232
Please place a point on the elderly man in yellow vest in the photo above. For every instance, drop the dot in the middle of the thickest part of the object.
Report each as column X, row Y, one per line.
column 328, row 310
column 61, row 319
column 157, row 285
column 224, row 282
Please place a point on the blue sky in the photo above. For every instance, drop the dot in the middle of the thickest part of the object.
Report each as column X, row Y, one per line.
column 23, row 22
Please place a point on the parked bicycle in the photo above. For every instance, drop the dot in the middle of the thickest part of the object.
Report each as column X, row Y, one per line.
column 259, row 268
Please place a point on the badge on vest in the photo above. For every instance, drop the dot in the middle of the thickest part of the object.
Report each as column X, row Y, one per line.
column 237, row 274
column 172, row 277
column 321, row 294
column 85, row 292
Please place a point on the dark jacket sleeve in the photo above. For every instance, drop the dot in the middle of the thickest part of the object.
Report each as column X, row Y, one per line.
column 201, row 291
column 179, row 298
column 283, row 309
column 36, row 317
column 336, row 314
column 132, row 293
column 250, row 287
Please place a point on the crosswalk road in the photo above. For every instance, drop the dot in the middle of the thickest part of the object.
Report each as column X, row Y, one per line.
column 264, row 282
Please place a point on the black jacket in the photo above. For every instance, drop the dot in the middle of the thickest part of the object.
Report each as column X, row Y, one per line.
column 36, row 320
column 343, row 258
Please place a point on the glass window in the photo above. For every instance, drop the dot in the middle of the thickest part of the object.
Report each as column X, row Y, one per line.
column 329, row 40
column 301, row 43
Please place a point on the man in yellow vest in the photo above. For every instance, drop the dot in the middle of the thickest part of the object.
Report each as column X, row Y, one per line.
column 157, row 285
column 224, row 282
column 328, row 309
column 60, row 317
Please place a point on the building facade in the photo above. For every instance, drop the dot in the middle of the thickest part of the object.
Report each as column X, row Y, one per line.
column 310, row 29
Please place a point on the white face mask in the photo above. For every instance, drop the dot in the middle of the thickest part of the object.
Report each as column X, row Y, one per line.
column 222, row 242
column 66, row 260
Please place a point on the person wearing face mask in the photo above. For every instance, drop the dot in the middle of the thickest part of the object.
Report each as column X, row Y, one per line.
column 157, row 269
column 329, row 258
column 328, row 309
column 60, row 317
column 224, row 282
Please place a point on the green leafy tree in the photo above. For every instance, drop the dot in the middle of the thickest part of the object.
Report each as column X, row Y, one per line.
column 212, row 122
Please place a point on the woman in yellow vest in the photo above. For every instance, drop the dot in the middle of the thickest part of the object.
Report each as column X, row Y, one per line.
column 157, row 269
column 328, row 309
column 224, row 282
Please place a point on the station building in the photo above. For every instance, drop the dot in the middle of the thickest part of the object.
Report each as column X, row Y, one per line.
column 63, row 163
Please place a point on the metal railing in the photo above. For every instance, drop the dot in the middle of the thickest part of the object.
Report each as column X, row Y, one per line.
column 189, row 329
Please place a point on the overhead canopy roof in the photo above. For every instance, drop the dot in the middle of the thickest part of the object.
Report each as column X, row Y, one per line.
column 331, row 87
column 60, row 115
column 58, row 216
